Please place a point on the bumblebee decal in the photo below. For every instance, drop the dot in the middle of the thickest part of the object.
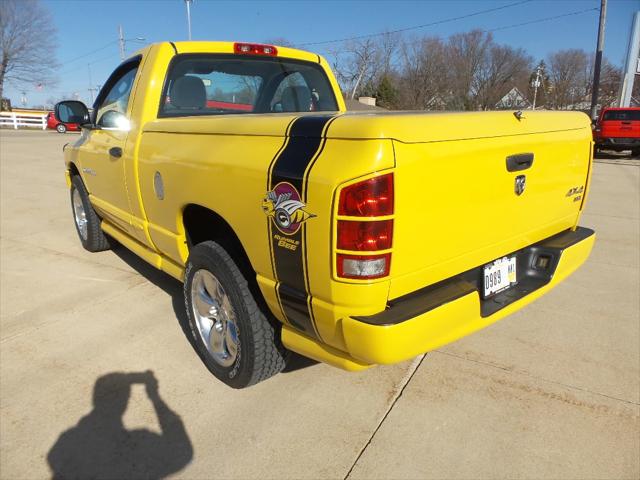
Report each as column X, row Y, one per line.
column 284, row 207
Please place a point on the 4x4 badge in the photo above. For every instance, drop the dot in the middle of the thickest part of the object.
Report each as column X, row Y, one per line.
column 285, row 208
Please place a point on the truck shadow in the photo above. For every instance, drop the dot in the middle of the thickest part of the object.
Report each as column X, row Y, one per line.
column 99, row 445
column 173, row 288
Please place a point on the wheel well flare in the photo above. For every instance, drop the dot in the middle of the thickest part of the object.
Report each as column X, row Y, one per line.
column 202, row 224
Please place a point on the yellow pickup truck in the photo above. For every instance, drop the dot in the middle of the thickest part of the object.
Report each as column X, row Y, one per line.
column 351, row 238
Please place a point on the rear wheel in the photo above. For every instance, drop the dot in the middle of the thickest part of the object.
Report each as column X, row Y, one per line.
column 234, row 338
column 61, row 128
column 635, row 152
column 86, row 219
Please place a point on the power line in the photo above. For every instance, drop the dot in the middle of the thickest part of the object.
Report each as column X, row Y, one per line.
column 540, row 20
column 416, row 27
column 74, row 69
column 99, row 49
column 84, row 55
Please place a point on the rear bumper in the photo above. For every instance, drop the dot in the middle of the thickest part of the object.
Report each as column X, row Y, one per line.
column 618, row 143
column 439, row 314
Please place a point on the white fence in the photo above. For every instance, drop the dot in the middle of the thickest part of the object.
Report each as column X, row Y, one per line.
column 17, row 120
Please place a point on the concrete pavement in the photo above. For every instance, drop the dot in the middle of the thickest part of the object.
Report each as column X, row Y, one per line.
column 550, row 392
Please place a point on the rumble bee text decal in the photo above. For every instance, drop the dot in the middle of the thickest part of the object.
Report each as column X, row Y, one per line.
column 284, row 207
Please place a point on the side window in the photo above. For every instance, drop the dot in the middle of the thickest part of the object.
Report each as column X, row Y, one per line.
column 115, row 102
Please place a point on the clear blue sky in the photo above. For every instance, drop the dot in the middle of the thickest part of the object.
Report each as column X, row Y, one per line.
column 87, row 25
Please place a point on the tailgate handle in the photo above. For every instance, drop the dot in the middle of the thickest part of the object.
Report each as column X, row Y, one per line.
column 522, row 161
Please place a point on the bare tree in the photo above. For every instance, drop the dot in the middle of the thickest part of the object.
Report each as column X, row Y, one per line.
column 424, row 74
column 504, row 68
column 567, row 75
column 610, row 81
column 389, row 44
column 467, row 71
column 24, row 56
column 357, row 63
column 468, row 53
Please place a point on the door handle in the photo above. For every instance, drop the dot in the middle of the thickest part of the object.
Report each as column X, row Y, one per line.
column 522, row 161
column 115, row 152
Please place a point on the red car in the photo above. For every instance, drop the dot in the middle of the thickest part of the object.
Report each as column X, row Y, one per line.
column 54, row 124
column 618, row 129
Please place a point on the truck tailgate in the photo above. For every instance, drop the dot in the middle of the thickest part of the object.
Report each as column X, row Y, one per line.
column 458, row 205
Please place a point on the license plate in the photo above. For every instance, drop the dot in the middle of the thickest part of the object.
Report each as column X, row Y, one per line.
column 499, row 275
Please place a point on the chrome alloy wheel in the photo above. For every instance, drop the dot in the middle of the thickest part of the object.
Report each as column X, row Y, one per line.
column 79, row 214
column 215, row 317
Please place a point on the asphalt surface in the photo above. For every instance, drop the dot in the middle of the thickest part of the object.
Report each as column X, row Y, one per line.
column 550, row 392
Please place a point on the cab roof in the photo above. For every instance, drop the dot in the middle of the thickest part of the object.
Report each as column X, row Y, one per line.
column 230, row 47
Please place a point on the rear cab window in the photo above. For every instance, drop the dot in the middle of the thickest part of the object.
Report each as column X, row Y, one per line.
column 219, row 84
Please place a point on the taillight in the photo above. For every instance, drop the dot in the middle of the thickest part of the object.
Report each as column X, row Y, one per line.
column 369, row 198
column 364, row 267
column 255, row 49
column 365, row 236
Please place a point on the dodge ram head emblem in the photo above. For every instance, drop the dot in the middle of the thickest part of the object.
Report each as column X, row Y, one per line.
column 283, row 206
column 521, row 183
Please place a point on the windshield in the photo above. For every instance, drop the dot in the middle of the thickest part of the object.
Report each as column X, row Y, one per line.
column 233, row 84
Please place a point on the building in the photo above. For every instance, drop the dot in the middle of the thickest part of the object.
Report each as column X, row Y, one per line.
column 513, row 99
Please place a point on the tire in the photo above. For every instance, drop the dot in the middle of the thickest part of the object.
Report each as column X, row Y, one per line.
column 233, row 336
column 86, row 219
column 635, row 152
column 61, row 128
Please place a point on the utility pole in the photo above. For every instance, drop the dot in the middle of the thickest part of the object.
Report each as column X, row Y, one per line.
column 598, row 62
column 536, row 84
column 90, row 82
column 188, row 2
column 121, row 41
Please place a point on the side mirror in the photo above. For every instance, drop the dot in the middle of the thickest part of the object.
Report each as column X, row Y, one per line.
column 72, row 111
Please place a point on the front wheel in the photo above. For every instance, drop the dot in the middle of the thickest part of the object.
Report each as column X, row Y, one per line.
column 232, row 335
column 86, row 219
column 61, row 128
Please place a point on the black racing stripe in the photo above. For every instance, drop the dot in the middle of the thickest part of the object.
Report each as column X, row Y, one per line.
column 277, row 155
column 305, row 194
column 270, row 227
column 306, row 136
column 290, row 166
